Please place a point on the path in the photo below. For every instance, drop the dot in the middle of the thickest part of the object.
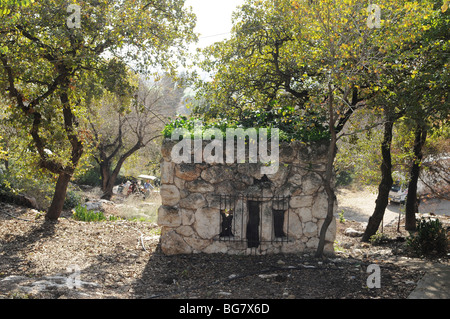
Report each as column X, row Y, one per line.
column 359, row 206
column 435, row 284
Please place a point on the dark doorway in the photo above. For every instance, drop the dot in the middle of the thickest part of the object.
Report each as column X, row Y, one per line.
column 253, row 224
column 278, row 222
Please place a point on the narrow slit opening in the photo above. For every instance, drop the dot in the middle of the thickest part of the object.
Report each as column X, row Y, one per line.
column 253, row 224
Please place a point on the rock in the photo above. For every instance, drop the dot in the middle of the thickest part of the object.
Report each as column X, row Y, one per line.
column 207, row 222
column 57, row 286
column 267, row 276
column 185, row 231
column 310, row 229
column 301, row 201
column 320, row 207
column 193, row 201
column 168, row 216
column 279, row 178
column 224, row 293
column 19, row 199
column 199, row 186
column 353, row 232
column 225, row 187
column 295, row 227
column 167, row 172
column 216, row 174
column 311, row 183
column 187, row 172
column 30, row 202
column 170, row 195
column 173, row 244
column 187, row 216
column 305, row 215
column 99, row 205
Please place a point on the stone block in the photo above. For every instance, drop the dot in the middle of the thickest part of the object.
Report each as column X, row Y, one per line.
column 207, row 222
column 216, row 174
column 187, row 172
column 301, row 201
column 187, row 216
column 199, row 186
column 295, row 226
column 173, row 244
column 168, row 216
column 170, row 195
column 305, row 214
column 193, row 201
column 320, row 206
column 185, row 231
column 311, row 182
column 310, row 229
column 167, row 172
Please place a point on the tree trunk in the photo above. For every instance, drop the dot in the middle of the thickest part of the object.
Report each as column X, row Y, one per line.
column 411, row 200
column 65, row 174
column 105, row 172
column 111, row 177
column 111, row 180
column 385, row 184
column 59, row 197
column 327, row 180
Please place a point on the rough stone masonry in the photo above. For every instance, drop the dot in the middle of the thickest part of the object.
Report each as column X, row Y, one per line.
column 193, row 216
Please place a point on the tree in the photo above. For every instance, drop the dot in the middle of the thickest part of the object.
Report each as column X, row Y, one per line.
column 413, row 87
column 429, row 90
column 321, row 55
column 296, row 53
column 120, row 130
column 386, row 177
column 46, row 61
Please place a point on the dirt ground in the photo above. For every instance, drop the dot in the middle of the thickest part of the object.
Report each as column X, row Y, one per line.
column 121, row 259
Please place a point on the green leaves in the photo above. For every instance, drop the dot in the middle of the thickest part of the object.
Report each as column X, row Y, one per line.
column 51, row 70
column 293, row 125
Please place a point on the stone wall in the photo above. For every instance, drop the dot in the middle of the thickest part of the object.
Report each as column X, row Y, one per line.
column 190, row 216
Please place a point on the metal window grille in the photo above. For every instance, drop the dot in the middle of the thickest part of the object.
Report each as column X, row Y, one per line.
column 254, row 219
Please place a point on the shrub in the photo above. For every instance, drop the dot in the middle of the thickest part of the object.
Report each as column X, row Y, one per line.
column 90, row 177
column 72, row 200
column 378, row 239
column 430, row 238
column 344, row 178
column 292, row 124
column 81, row 213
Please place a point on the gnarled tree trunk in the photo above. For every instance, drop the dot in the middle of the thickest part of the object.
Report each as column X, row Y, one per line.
column 56, row 207
column 411, row 200
column 385, row 184
column 108, row 177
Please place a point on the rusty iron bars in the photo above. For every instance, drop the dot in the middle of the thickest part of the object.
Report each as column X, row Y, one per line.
column 245, row 218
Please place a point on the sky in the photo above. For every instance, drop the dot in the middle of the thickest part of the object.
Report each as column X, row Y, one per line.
column 213, row 19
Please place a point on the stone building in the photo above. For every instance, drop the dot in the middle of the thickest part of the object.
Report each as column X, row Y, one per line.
column 235, row 209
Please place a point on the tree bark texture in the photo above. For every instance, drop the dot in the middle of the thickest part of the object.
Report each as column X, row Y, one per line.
column 411, row 200
column 327, row 179
column 56, row 207
column 109, row 177
column 385, row 184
